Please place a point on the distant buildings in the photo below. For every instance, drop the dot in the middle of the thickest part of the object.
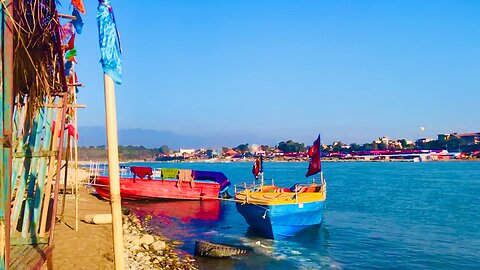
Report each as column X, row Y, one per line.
column 469, row 138
column 382, row 148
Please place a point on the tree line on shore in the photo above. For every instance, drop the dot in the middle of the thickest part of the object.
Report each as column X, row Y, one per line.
column 130, row 152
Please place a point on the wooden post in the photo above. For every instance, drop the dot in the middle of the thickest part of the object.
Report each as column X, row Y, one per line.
column 7, row 111
column 75, row 143
column 65, row 178
column 35, row 145
column 113, row 171
column 51, row 172
column 59, row 167
column 43, row 167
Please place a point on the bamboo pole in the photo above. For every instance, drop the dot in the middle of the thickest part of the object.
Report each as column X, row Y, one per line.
column 113, row 171
column 42, row 174
column 3, row 165
column 20, row 140
column 32, row 176
column 65, row 177
column 7, row 108
column 64, row 92
column 66, row 16
column 59, row 168
column 51, row 172
column 75, row 143
column 33, row 146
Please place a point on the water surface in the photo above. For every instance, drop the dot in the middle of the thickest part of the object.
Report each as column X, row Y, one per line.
column 384, row 215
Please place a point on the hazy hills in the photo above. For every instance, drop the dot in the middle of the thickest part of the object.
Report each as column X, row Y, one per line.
column 95, row 136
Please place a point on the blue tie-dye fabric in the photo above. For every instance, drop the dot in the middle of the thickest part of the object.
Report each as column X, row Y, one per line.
column 109, row 42
column 78, row 23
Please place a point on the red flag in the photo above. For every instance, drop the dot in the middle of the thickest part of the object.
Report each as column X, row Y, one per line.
column 314, row 154
column 71, row 43
column 256, row 168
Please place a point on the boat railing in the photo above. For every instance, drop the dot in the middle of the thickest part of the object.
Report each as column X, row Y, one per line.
column 252, row 186
column 96, row 169
column 124, row 170
column 256, row 186
column 93, row 171
column 157, row 172
column 300, row 188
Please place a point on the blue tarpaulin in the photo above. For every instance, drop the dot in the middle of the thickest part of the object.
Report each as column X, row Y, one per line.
column 218, row 177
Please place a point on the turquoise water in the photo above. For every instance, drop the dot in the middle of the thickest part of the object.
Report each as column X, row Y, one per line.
column 377, row 215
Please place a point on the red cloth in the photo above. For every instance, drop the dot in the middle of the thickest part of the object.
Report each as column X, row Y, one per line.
column 141, row 172
column 314, row 153
column 71, row 131
column 71, row 79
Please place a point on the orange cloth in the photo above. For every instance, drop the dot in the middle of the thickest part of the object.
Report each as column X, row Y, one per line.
column 185, row 176
column 79, row 5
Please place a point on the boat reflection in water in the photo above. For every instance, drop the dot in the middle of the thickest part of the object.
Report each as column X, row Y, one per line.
column 183, row 220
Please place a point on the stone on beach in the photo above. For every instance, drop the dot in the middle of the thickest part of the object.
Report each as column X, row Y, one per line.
column 147, row 239
column 98, row 219
column 145, row 251
column 158, row 245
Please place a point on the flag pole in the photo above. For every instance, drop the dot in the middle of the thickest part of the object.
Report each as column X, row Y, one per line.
column 320, row 157
column 110, row 51
column 113, row 170
column 261, row 171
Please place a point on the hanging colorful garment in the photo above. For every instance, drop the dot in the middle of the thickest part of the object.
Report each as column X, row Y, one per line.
column 71, row 131
column 169, row 173
column 72, row 59
column 70, row 53
column 109, row 40
column 68, row 67
column 185, row 176
column 78, row 22
column 66, row 32
column 79, row 5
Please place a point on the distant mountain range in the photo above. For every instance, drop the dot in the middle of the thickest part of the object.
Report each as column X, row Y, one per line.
column 96, row 136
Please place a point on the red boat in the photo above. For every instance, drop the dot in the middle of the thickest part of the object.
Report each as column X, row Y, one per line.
column 172, row 184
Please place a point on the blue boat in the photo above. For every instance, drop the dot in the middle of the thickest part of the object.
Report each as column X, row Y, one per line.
column 275, row 219
column 275, row 212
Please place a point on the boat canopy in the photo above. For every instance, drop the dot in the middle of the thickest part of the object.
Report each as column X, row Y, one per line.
column 218, row 177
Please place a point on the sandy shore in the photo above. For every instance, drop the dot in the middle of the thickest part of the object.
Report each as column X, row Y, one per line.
column 91, row 247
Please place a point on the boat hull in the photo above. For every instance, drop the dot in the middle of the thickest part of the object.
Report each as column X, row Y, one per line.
column 284, row 220
column 141, row 189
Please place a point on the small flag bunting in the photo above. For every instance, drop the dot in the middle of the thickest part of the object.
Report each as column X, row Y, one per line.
column 78, row 22
column 78, row 4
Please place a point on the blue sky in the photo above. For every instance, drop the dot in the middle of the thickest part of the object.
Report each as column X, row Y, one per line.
column 267, row 71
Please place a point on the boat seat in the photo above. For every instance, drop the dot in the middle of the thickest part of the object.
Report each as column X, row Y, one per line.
column 310, row 189
column 275, row 189
column 141, row 172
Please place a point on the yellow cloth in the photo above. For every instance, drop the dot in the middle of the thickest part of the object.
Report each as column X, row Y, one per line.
column 169, row 173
